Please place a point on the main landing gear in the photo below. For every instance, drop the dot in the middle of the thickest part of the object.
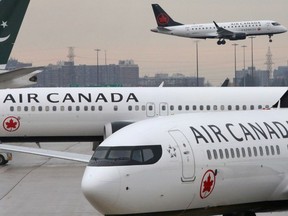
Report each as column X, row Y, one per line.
column 221, row 42
column 270, row 40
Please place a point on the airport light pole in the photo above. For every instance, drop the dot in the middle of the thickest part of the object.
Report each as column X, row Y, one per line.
column 244, row 66
column 197, row 65
column 98, row 50
column 252, row 60
column 235, row 83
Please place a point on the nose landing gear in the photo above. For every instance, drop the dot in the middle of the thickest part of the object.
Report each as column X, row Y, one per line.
column 221, row 42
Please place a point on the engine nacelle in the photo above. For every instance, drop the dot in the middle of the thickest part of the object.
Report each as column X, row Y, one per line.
column 112, row 127
column 238, row 36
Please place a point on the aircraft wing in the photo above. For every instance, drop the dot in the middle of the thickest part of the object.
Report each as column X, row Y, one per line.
column 223, row 32
column 9, row 75
column 47, row 153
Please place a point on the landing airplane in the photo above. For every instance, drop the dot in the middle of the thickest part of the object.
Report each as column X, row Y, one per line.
column 12, row 13
column 221, row 31
column 89, row 114
column 229, row 163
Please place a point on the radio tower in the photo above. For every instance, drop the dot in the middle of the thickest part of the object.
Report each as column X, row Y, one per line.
column 269, row 62
column 71, row 55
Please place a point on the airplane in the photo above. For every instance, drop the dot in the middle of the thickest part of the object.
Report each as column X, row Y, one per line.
column 92, row 114
column 12, row 13
column 221, row 31
column 222, row 163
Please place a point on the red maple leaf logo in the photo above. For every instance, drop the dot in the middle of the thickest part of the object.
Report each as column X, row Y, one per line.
column 163, row 19
column 11, row 124
column 207, row 185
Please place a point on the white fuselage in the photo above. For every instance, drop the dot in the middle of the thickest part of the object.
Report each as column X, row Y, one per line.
column 65, row 114
column 209, row 163
column 209, row 30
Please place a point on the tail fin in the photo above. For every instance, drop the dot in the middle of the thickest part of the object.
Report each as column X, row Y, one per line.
column 162, row 18
column 12, row 13
column 282, row 102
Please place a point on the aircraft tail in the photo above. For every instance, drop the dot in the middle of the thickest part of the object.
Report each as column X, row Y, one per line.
column 12, row 13
column 162, row 18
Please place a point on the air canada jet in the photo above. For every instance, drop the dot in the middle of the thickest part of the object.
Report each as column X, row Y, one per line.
column 221, row 163
column 221, row 31
column 12, row 13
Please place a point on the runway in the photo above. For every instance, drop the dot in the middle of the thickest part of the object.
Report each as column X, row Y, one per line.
column 33, row 185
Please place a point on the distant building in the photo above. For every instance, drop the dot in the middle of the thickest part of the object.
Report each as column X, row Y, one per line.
column 126, row 73
column 14, row 63
column 178, row 80
column 244, row 77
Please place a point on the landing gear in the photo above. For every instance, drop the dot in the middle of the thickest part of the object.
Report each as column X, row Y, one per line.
column 221, row 42
column 270, row 40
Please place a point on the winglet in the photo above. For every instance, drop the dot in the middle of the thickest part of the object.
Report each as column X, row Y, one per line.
column 12, row 13
column 162, row 18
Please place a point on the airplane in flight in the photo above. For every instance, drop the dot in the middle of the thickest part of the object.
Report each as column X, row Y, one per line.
column 12, row 13
column 221, row 31
column 222, row 163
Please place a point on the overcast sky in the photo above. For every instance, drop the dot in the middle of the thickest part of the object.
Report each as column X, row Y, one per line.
column 122, row 28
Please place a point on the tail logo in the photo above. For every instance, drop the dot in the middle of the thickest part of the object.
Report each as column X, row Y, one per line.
column 163, row 19
column 4, row 25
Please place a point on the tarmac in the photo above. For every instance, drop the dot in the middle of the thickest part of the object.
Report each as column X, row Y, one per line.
column 33, row 185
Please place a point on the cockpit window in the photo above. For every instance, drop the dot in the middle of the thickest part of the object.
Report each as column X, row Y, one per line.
column 126, row 155
column 275, row 23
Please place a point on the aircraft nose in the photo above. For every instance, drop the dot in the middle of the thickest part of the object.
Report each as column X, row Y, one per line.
column 100, row 186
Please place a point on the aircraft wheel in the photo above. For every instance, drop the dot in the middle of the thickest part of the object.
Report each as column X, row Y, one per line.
column 219, row 42
column 223, row 42
column 270, row 40
column 2, row 160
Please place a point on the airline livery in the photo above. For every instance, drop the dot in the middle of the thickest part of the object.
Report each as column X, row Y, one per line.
column 89, row 114
column 221, row 31
column 12, row 13
column 222, row 163
column 228, row 163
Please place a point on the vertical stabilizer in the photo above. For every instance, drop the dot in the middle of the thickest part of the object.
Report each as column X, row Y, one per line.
column 162, row 18
column 12, row 13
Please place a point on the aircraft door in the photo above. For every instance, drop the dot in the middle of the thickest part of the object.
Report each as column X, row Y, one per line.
column 150, row 109
column 268, row 26
column 163, row 109
column 187, row 156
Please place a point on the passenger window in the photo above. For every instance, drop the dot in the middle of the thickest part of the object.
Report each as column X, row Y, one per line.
column 243, row 152
column 187, row 108
column 267, row 150
column 226, row 153
column 232, row 153
column 222, row 107
column 143, row 107
column 116, row 108
column 130, row 108
column 244, row 107
column 77, row 108
column 261, row 150
column 62, row 108
column 69, row 108
column 221, row 154
column 209, row 155
column 171, row 107
column 208, row 107
column 194, row 107
column 215, row 107
column 272, row 150
column 237, row 107
column 249, row 152
column 252, row 107
column 85, row 108
column 11, row 109
column 33, row 108
column 201, row 107
column 137, row 108
column 40, row 108
column 92, row 108
column 255, row 151
column 25, row 108
column 19, row 108
column 259, row 106
column 277, row 149
column 229, row 107
column 179, row 107
column 47, row 108
column 54, row 108
column 100, row 108
column 238, row 153
column 215, row 154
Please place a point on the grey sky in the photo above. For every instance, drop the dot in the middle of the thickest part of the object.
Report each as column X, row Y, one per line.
column 122, row 28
